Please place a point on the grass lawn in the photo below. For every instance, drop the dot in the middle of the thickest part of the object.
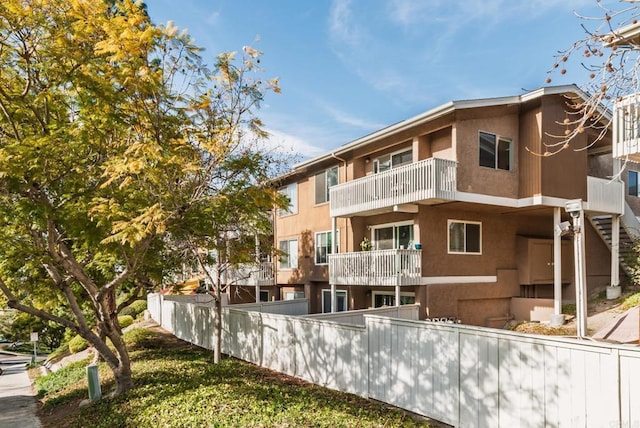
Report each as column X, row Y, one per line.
column 178, row 386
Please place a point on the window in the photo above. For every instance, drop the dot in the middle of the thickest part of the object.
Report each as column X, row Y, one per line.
column 495, row 151
column 393, row 160
column 341, row 301
column 388, row 298
column 323, row 246
column 393, row 237
column 291, row 192
column 264, row 295
column 289, row 258
column 293, row 295
column 324, row 180
column 633, row 183
column 465, row 237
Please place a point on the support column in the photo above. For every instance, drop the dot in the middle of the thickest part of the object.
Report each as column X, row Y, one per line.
column 334, row 250
column 258, row 274
column 557, row 319
column 398, row 262
column 580, row 273
column 615, row 250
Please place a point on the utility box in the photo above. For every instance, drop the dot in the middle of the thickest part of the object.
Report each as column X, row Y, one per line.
column 95, row 393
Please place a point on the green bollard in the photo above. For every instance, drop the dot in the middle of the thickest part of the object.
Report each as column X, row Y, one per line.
column 94, row 382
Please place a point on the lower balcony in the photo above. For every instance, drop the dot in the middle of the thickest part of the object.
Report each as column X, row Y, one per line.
column 378, row 268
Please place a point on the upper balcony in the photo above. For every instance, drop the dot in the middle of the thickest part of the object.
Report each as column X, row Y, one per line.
column 626, row 128
column 428, row 181
column 378, row 267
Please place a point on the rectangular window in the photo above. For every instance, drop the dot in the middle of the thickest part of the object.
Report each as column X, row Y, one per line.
column 293, row 295
column 289, row 256
column 393, row 237
column 341, row 301
column 264, row 295
column 495, row 151
column 393, row 160
column 388, row 298
column 633, row 183
column 465, row 237
column 324, row 181
column 291, row 192
column 323, row 246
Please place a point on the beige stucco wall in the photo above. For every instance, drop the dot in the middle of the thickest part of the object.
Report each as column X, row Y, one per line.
column 472, row 177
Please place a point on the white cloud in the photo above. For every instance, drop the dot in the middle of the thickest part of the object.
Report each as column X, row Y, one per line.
column 287, row 143
column 213, row 18
column 349, row 119
column 340, row 24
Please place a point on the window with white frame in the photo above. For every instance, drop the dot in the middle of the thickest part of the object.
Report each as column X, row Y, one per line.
column 632, row 183
column 291, row 192
column 323, row 181
column 388, row 298
column 392, row 160
column 495, row 151
column 341, row 301
column 393, row 236
column 323, row 246
column 293, row 295
column 289, row 256
column 465, row 237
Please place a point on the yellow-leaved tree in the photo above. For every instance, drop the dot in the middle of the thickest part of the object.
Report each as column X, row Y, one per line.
column 115, row 142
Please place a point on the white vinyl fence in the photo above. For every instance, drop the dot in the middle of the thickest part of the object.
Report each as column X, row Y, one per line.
column 405, row 312
column 462, row 375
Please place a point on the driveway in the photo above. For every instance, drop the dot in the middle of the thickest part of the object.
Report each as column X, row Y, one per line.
column 17, row 401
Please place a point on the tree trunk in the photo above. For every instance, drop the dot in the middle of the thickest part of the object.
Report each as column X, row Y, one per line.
column 122, row 375
column 217, row 323
column 217, row 351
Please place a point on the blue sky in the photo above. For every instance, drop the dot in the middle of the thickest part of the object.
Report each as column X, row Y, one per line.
column 350, row 67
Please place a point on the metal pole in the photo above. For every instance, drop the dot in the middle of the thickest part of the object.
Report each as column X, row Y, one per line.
column 580, row 273
column 557, row 266
column 334, row 250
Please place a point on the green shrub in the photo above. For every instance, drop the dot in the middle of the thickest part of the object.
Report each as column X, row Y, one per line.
column 631, row 301
column 134, row 309
column 139, row 306
column 128, row 311
column 125, row 320
column 77, row 344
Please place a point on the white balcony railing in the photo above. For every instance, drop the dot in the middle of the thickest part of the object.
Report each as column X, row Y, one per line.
column 605, row 195
column 429, row 179
column 249, row 275
column 626, row 128
column 266, row 274
column 382, row 267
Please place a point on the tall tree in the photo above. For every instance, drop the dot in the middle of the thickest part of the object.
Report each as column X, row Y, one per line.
column 112, row 138
column 611, row 70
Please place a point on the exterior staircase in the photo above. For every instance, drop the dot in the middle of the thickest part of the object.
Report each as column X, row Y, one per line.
column 629, row 232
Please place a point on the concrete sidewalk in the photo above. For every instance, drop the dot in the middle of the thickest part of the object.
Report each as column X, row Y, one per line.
column 17, row 401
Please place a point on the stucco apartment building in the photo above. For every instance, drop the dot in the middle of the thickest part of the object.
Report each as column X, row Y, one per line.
column 454, row 209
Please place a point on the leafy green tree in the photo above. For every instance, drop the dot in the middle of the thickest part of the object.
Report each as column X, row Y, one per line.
column 115, row 139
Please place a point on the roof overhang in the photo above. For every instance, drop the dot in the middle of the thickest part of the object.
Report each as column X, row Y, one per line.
column 441, row 111
column 626, row 36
